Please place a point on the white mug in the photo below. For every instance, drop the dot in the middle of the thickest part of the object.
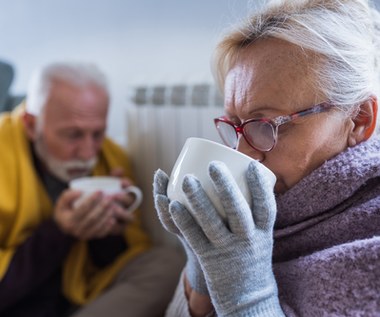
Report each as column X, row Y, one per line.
column 194, row 159
column 108, row 185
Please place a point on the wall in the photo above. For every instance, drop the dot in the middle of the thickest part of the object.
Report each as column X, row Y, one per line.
column 135, row 42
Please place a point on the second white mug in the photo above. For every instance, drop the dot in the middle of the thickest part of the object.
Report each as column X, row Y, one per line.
column 109, row 186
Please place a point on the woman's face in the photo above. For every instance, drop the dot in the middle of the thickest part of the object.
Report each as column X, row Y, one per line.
column 273, row 78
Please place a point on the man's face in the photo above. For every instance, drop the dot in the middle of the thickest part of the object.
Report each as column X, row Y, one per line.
column 71, row 129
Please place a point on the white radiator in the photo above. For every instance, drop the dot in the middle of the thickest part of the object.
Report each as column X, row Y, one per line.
column 159, row 120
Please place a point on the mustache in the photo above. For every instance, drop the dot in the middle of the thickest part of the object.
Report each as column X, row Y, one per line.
column 79, row 164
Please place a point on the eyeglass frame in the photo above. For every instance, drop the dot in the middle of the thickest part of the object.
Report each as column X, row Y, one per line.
column 275, row 122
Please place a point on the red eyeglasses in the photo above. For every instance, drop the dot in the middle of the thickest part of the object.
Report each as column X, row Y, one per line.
column 261, row 134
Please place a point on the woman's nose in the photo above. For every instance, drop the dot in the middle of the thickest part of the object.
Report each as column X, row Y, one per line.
column 245, row 148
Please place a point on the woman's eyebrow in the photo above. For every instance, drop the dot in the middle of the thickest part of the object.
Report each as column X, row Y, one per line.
column 262, row 111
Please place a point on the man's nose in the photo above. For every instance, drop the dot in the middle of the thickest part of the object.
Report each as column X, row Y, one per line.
column 245, row 148
column 87, row 149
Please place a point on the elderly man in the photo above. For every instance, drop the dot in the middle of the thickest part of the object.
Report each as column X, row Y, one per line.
column 57, row 256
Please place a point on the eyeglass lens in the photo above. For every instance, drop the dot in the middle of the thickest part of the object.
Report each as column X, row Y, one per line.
column 227, row 133
column 259, row 134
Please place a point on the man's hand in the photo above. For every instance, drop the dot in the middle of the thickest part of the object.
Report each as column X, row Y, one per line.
column 121, row 202
column 92, row 218
column 122, row 217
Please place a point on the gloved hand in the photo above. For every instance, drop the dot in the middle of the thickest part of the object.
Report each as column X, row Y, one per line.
column 193, row 270
column 236, row 256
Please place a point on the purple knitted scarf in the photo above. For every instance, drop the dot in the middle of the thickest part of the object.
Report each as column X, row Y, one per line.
column 327, row 238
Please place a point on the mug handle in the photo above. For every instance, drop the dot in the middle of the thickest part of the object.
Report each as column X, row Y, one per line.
column 138, row 197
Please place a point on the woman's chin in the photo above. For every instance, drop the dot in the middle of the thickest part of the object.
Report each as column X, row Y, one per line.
column 280, row 187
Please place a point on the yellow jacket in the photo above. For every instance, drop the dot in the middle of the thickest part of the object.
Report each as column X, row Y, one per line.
column 24, row 204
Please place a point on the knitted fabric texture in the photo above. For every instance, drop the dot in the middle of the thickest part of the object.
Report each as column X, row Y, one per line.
column 327, row 244
column 193, row 270
column 235, row 256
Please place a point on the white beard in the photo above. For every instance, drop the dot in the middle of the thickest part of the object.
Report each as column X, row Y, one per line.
column 63, row 170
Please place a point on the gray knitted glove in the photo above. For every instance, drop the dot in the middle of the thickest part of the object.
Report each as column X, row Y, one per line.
column 193, row 270
column 236, row 256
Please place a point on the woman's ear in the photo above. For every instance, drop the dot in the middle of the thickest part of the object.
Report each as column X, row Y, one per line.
column 30, row 123
column 364, row 122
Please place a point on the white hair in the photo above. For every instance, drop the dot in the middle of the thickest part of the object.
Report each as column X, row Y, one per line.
column 76, row 74
column 343, row 33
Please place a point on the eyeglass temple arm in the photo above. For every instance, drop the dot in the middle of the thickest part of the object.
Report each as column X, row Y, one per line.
column 325, row 106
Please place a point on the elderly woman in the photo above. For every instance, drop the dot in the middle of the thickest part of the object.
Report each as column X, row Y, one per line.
column 301, row 81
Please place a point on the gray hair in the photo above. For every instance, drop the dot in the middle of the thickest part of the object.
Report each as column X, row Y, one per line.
column 344, row 33
column 76, row 74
